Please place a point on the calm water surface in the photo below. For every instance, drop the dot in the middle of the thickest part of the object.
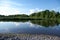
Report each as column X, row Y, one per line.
column 31, row 27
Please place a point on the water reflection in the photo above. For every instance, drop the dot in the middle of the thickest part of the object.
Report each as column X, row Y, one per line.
column 45, row 23
column 51, row 27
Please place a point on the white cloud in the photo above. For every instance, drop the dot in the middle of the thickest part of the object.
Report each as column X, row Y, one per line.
column 56, row 9
column 7, row 9
column 35, row 10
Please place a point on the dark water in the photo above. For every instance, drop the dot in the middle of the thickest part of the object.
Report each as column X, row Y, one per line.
column 50, row 27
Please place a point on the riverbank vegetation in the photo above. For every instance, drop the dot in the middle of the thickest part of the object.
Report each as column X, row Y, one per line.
column 46, row 14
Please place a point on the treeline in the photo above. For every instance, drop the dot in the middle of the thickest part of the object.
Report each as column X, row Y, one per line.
column 46, row 14
column 14, row 17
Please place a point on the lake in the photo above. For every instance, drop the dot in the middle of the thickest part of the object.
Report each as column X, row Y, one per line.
column 49, row 27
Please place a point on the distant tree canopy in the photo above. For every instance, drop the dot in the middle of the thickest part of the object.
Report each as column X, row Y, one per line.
column 46, row 14
column 19, row 15
column 40, row 15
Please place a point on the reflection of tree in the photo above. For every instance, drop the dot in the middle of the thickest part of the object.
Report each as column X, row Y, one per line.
column 45, row 23
column 15, row 20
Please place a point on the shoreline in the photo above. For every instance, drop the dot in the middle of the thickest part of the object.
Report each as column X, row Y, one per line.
column 28, row 37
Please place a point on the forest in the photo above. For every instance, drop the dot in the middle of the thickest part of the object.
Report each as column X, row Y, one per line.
column 46, row 15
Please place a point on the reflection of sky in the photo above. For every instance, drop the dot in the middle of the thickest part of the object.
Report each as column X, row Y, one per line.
column 27, row 27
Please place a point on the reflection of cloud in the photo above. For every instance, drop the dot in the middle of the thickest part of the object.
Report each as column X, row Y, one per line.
column 1, row 22
column 6, row 29
column 16, row 23
column 31, row 25
column 58, row 28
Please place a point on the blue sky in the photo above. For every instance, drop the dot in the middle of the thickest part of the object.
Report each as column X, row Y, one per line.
column 11, row 7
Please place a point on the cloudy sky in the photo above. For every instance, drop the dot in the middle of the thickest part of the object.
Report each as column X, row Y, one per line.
column 11, row 7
